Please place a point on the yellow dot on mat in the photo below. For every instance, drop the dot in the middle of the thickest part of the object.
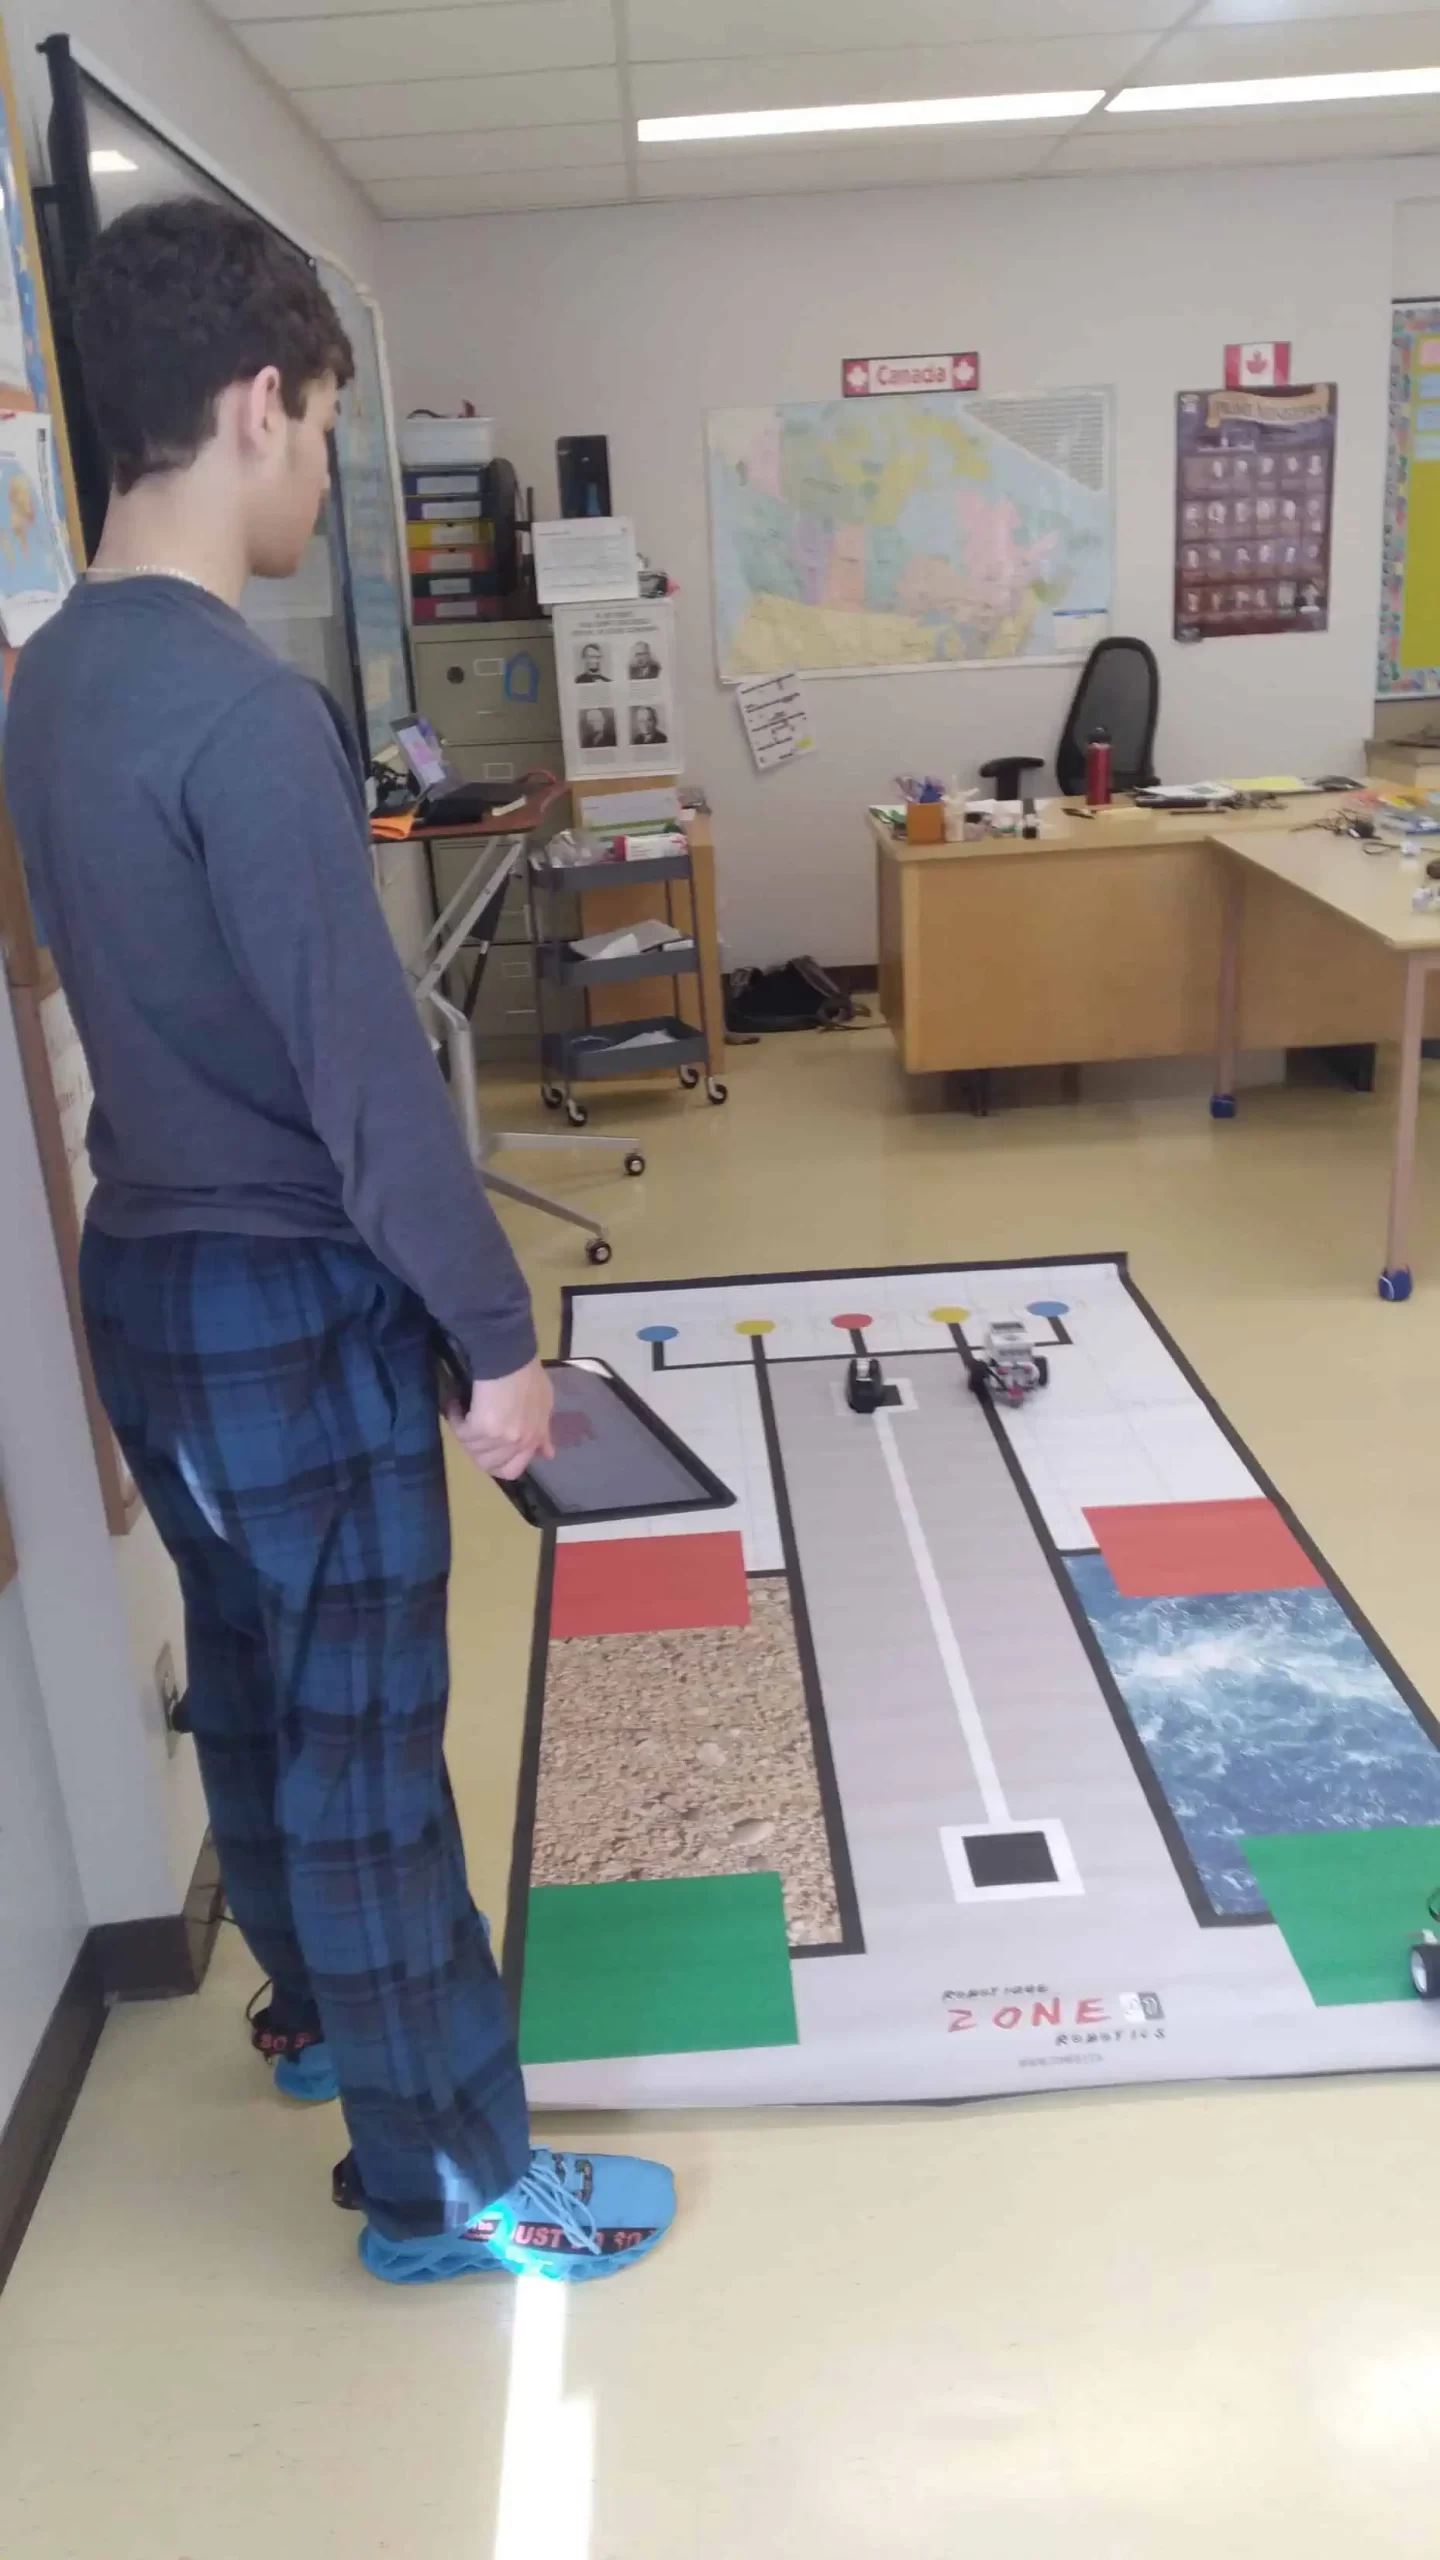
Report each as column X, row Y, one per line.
column 949, row 1315
column 755, row 1324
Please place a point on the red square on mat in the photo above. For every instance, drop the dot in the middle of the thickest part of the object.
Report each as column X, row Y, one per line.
column 1183, row 1550
column 632, row 1586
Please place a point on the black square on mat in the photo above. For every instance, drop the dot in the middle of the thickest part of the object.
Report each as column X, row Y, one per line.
column 1010, row 1857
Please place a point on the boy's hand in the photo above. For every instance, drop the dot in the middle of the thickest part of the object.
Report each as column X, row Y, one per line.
column 508, row 1423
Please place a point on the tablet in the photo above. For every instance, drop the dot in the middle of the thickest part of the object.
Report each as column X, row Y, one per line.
column 614, row 1459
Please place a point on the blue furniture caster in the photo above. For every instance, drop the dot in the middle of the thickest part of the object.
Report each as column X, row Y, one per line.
column 1395, row 1284
column 1222, row 1106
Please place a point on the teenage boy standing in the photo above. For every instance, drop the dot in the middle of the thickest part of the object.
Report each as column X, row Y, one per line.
column 285, row 1222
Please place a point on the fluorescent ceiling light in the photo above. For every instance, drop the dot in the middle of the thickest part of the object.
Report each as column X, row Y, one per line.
column 1317, row 88
column 111, row 164
column 1046, row 106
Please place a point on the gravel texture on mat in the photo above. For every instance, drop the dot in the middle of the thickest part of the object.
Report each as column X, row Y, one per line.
column 685, row 1754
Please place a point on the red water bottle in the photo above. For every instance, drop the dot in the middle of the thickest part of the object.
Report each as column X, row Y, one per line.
column 1097, row 769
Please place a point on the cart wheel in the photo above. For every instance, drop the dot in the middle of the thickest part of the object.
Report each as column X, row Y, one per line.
column 575, row 1113
column 1042, row 1368
column 977, row 1381
column 689, row 1077
column 598, row 1249
column 551, row 1096
column 635, row 1162
column 1425, row 1969
column 718, row 1091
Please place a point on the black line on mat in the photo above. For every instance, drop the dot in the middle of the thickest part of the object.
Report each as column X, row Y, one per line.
column 852, row 1934
column 857, row 1271
column 527, row 1797
column 1191, row 1881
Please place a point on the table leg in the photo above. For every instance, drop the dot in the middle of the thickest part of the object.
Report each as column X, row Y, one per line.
column 1222, row 1100
column 1395, row 1279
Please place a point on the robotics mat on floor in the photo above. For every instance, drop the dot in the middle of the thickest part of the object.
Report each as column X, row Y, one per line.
column 976, row 1749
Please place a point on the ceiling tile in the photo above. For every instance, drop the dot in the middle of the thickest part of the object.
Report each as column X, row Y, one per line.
column 1386, row 43
column 690, row 30
column 429, row 44
column 1219, row 13
column 463, row 106
column 921, row 71
column 242, row 12
column 513, row 191
column 450, row 155
column 776, row 171
column 1196, row 142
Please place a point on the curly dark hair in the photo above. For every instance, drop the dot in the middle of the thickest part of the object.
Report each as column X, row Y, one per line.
column 177, row 301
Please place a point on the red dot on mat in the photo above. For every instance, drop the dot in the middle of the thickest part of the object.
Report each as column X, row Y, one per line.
column 851, row 1324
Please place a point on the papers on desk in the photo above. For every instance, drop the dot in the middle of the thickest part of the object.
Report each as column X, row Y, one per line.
column 637, row 1040
column 611, row 813
column 626, row 942
column 1278, row 786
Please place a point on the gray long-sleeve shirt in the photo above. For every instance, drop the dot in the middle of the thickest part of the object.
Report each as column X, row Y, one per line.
column 193, row 827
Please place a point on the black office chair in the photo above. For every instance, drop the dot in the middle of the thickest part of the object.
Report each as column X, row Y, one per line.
column 1118, row 691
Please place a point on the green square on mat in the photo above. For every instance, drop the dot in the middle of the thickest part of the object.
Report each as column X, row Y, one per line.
column 690, row 1964
column 1349, row 1905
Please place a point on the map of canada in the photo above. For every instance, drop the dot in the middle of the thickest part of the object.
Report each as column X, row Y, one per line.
column 924, row 531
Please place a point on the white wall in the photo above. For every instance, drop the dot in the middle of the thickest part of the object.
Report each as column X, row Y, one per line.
column 184, row 69
column 42, row 1909
column 633, row 322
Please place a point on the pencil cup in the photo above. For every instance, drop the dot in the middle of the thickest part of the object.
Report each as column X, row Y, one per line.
column 925, row 821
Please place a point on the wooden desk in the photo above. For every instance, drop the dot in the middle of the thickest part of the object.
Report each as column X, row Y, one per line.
column 1101, row 939
column 1366, row 900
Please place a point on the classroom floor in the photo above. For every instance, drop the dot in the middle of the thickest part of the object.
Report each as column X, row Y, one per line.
column 1125, row 2324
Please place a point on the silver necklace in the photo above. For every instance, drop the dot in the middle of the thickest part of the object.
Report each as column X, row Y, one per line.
column 151, row 569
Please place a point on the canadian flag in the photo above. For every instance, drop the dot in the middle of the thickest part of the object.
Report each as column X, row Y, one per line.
column 1257, row 365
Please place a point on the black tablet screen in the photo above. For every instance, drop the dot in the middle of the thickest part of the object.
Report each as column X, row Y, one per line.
column 607, row 1457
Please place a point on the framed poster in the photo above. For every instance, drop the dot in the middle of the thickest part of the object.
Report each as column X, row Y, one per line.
column 1409, row 653
column 1254, row 484
column 615, row 664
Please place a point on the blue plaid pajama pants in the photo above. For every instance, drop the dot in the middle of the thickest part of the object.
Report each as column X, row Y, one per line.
column 276, row 1403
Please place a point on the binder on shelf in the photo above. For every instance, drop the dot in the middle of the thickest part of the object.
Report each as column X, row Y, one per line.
column 458, row 608
column 467, row 533
column 443, row 484
column 483, row 582
column 442, row 510
column 474, row 560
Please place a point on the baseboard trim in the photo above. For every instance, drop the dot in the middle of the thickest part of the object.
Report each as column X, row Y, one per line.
column 164, row 1958
column 122, row 1960
column 31, row 2134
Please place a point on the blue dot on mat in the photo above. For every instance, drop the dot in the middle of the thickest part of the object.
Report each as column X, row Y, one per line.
column 1048, row 1307
column 657, row 1332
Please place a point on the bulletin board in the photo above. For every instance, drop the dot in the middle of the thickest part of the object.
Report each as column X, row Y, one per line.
column 370, row 515
column 56, row 1076
column 1409, row 656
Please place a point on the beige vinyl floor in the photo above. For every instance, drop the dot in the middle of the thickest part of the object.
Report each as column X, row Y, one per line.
column 1129, row 2326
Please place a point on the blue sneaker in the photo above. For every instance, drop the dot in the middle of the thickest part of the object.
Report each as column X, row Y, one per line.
column 300, row 2055
column 571, row 2218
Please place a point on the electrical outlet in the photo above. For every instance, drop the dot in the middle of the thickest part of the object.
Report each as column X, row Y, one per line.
column 167, row 1690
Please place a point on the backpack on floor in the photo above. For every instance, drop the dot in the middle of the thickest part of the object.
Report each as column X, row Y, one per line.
column 797, row 996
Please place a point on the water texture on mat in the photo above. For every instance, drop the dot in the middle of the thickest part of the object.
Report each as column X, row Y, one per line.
column 1260, row 1712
